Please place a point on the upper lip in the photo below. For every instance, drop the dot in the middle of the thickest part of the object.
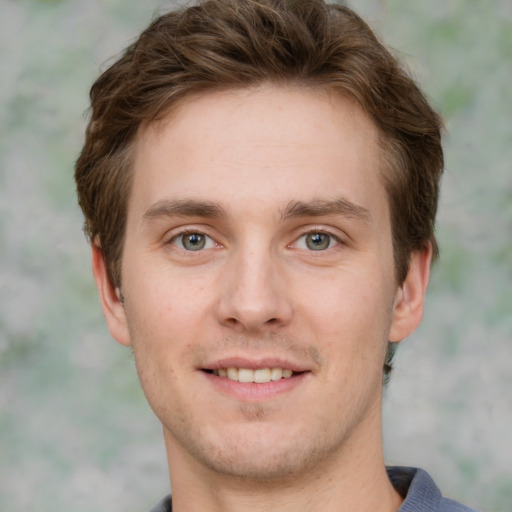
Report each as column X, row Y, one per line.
column 256, row 363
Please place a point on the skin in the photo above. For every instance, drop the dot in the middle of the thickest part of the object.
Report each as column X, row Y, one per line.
column 259, row 173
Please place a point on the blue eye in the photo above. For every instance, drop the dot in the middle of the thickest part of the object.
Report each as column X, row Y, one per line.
column 193, row 241
column 317, row 241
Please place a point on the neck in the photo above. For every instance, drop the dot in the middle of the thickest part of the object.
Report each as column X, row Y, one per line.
column 350, row 480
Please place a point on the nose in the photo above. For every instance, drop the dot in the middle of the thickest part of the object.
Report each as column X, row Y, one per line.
column 254, row 296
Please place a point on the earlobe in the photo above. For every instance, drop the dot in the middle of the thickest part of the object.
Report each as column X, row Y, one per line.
column 111, row 298
column 410, row 297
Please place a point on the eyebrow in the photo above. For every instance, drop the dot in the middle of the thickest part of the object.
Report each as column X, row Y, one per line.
column 319, row 208
column 184, row 208
column 294, row 209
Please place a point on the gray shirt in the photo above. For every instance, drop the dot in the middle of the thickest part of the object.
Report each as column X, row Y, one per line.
column 419, row 491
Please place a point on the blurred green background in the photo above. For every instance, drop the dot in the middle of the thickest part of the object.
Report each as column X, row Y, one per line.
column 75, row 432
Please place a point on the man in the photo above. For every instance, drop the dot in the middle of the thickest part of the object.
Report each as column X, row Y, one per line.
column 259, row 183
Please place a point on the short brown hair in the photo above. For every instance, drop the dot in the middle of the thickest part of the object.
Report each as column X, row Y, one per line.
column 245, row 43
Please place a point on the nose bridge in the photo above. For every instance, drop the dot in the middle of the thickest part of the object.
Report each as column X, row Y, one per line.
column 253, row 296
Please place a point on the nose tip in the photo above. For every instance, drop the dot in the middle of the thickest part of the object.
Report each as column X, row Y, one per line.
column 251, row 321
column 254, row 299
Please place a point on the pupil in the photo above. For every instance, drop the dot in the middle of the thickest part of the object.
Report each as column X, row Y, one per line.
column 317, row 241
column 194, row 242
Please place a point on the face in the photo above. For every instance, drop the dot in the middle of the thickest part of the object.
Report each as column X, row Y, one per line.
column 258, row 281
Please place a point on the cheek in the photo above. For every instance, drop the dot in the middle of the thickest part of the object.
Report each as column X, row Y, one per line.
column 162, row 293
column 348, row 300
column 167, row 315
column 349, row 318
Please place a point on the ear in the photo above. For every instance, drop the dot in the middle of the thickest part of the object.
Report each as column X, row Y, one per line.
column 110, row 298
column 410, row 297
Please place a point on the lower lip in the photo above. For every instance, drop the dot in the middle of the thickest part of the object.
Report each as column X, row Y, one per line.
column 252, row 391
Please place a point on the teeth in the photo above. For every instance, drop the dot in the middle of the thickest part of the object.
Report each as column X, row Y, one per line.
column 245, row 375
column 261, row 375
column 276, row 374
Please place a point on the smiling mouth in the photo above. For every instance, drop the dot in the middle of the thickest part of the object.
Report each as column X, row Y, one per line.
column 247, row 375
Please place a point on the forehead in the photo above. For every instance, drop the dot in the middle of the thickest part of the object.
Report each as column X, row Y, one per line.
column 259, row 145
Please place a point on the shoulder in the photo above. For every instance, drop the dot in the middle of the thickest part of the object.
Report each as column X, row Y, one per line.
column 454, row 506
column 164, row 505
column 420, row 492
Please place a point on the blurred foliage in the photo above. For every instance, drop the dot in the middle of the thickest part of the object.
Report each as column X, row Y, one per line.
column 75, row 431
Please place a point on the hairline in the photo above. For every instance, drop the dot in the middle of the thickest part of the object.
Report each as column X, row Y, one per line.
column 158, row 120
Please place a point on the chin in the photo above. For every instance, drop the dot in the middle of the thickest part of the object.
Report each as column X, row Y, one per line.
column 259, row 456
column 264, row 468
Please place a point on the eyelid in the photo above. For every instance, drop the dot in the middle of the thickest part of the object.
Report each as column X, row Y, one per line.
column 319, row 230
column 180, row 232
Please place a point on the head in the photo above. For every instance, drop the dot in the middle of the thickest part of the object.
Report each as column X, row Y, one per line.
column 232, row 44
column 217, row 67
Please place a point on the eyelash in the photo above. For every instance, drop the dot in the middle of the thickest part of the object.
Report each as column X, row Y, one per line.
column 186, row 232
column 332, row 236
